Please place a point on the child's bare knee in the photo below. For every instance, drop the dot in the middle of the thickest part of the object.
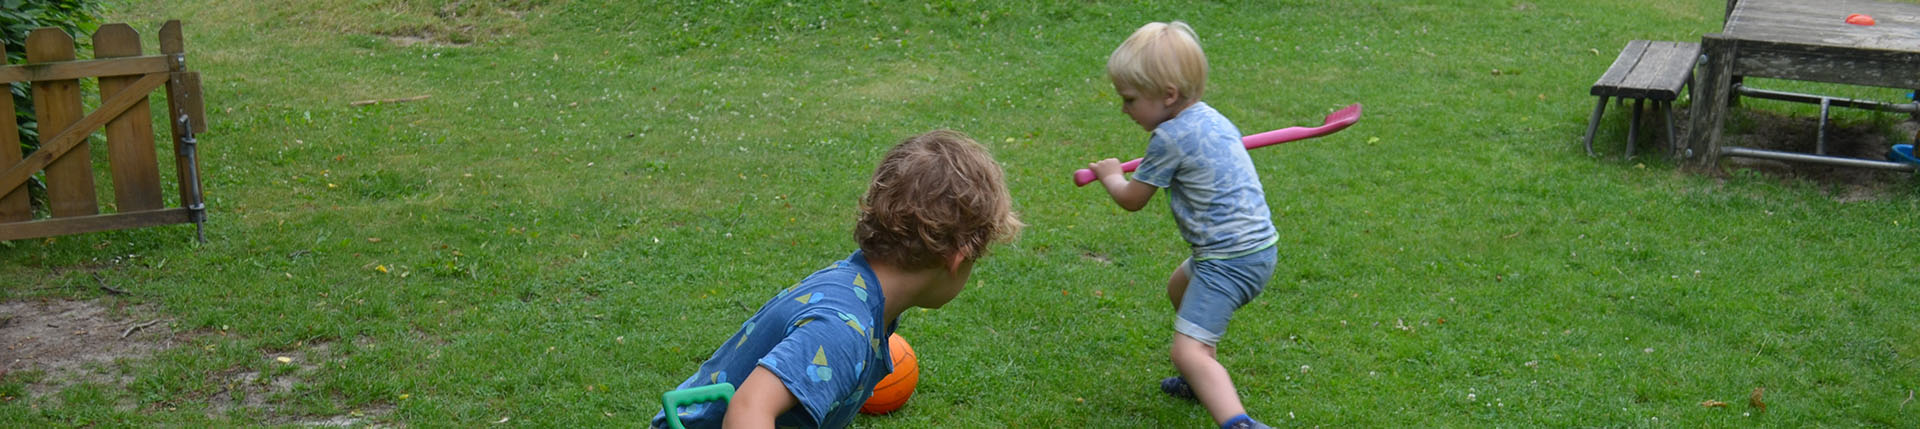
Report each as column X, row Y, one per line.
column 1187, row 348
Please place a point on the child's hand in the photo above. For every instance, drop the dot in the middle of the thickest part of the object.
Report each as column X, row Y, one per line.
column 1105, row 167
column 1130, row 194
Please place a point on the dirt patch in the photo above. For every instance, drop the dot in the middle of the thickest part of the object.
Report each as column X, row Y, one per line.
column 71, row 342
column 457, row 23
column 262, row 392
column 410, row 40
column 1800, row 133
column 51, row 345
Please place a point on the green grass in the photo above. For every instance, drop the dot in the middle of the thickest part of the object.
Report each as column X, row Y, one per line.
column 598, row 191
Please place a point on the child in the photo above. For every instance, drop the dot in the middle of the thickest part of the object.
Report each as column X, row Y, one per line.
column 1196, row 155
column 812, row 354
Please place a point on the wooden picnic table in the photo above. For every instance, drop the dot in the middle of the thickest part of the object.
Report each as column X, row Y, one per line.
column 1806, row 40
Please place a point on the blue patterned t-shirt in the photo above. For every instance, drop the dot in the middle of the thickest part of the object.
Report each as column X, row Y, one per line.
column 822, row 337
column 1215, row 193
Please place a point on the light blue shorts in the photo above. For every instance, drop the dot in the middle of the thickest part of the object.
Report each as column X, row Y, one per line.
column 1218, row 287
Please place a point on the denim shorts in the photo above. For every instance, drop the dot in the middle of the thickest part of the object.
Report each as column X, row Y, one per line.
column 1218, row 287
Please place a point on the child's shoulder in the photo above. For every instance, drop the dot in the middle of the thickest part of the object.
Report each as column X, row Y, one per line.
column 1207, row 115
column 846, row 285
column 1198, row 121
column 852, row 271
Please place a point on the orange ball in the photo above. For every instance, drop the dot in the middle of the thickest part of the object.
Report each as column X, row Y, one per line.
column 893, row 391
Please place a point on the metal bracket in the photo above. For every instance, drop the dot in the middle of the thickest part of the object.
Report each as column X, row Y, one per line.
column 197, row 210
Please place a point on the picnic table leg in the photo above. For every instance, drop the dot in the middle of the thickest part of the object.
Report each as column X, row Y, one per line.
column 1672, row 147
column 1710, row 102
column 1594, row 124
column 1633, row 125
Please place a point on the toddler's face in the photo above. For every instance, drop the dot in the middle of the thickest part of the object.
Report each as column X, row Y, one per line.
column 1145, row 110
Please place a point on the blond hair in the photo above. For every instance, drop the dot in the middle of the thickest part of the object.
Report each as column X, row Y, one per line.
column 935, row 195
column 1160, row 55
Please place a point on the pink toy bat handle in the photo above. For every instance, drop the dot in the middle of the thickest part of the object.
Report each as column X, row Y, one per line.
column 1336, row 121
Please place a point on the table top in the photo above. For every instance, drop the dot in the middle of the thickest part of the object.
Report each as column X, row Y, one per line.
column 1823, row 23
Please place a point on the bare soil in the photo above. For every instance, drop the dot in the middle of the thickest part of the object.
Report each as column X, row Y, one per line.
column 1800, row 133
column 51, row 345
column 72, row 342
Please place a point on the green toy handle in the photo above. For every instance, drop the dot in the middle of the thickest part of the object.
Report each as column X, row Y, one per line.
column 671, row 402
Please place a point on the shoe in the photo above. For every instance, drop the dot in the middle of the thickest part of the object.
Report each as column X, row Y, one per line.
column 1177, row 387
column 1249, row 424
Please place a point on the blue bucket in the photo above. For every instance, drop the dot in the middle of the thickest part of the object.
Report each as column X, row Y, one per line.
column 1902, row 153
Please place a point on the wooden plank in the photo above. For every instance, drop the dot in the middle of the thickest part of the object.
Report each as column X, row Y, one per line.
column 14, row 203
column 1823, row 23
column 136, row 176
column 192, row 103
column 56, row 104
column 1678, row 60
column 180, row 89
column 171, row 41
column 75, row 135
column 80, row 224
column 1609, row 82
column 1884, row 68
column 183, row 100
column 1661, row 71
column 136, row 65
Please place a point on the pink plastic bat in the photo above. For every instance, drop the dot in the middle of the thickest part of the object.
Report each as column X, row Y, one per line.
column 1336, row 121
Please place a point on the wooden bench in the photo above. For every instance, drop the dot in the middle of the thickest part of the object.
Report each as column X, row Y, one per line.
column 1645, row 70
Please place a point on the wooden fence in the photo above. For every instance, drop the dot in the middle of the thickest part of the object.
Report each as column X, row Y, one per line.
column 126, row 79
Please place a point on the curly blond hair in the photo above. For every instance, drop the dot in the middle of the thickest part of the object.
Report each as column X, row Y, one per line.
column 935, row 195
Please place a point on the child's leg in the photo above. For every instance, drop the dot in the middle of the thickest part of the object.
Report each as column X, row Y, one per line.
column 1176, row 289
column 1177, row 284
column 1209, row 380
column 1196, row 360
column 1217, row 289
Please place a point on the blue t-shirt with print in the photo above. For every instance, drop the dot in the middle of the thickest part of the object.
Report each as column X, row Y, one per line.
column 822, row 337
column 1215, row 193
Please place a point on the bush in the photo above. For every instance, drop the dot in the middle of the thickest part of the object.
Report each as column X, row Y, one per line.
column 17, row 19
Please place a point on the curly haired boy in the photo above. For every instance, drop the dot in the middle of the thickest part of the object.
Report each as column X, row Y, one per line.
column 812, row 354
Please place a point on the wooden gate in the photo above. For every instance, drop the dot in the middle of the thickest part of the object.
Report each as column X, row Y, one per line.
column 126, row 79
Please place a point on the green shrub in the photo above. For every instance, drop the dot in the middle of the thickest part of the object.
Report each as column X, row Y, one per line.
column 17, row 19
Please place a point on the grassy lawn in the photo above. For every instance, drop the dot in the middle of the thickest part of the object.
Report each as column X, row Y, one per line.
column 598, row 192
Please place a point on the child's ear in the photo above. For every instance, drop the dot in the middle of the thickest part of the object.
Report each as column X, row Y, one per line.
column 1173, row 96
column 957, row 259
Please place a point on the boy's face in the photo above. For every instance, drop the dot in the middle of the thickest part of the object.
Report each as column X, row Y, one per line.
column 1146, row 110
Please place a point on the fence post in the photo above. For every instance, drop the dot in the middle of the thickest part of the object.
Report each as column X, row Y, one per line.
column 186, row 115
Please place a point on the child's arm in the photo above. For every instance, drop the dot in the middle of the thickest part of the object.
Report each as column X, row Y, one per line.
column 760, row 399
column 1130, row 194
